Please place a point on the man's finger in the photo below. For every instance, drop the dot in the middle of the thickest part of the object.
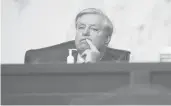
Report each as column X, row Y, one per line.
column 91, row 45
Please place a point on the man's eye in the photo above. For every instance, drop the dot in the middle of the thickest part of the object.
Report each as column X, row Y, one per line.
column 81, row 27
column 95, row 29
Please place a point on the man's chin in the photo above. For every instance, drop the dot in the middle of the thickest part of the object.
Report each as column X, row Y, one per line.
column 81, row 50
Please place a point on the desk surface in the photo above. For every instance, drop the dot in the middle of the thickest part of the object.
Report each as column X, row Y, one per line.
column 107, row 67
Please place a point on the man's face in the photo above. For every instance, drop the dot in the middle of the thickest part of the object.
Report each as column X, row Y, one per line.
column 90, row 26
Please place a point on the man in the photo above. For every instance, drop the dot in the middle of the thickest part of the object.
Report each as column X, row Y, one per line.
column 93, row 34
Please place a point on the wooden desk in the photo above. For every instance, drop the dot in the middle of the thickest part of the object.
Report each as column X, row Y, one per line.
column 63, row 84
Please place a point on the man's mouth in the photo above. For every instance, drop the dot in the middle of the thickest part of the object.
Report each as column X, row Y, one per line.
column 84, row 41
column 83, row 44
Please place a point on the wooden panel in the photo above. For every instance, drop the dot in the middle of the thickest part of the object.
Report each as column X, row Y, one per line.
column 61, row 83
column 163, row 78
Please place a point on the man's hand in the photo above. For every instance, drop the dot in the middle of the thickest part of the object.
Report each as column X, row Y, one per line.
column 91, row 55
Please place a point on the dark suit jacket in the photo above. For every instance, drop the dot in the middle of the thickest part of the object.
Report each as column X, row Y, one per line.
column 59, row 53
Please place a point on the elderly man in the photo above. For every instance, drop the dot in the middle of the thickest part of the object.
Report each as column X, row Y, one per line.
column 93, row 34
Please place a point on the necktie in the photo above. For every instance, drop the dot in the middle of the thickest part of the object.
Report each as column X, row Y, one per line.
column 80, row 60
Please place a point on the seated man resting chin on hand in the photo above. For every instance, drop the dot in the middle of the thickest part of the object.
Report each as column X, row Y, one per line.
column 93, row 34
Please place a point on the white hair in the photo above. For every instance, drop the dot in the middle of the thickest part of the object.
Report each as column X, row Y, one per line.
column 107, row 22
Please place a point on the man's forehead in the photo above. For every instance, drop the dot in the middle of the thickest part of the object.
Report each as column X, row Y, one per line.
column 91, row 19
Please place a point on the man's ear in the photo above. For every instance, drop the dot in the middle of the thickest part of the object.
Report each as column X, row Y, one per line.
column 108, row 38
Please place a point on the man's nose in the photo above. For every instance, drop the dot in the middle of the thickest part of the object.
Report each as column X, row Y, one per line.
column 86, row 32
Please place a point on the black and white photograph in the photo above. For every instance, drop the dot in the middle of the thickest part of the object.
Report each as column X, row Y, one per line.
column 85, row 52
